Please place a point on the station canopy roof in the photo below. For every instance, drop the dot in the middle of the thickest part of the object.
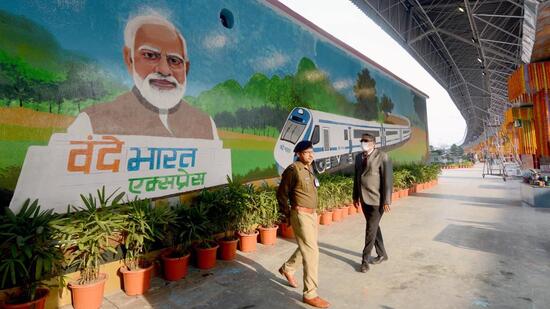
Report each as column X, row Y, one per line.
column 469, row 47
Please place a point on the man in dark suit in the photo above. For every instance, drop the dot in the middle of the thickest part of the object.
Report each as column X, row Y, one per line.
column 372, row 188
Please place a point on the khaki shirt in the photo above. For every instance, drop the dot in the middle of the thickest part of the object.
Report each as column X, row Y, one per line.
column 298, row 186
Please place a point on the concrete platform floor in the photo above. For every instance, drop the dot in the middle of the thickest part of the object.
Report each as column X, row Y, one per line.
column 466, row 243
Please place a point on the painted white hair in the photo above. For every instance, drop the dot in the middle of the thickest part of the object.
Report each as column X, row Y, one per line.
column 151, row 17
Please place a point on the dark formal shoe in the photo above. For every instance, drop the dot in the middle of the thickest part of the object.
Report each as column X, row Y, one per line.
column 379, row 259
column 289, row 277
column 317, row 302
column 364, row 267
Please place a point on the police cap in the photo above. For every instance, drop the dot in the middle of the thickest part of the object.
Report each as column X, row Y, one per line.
column 303, row 145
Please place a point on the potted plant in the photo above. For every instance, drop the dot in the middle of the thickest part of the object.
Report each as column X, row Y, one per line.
column 30, row 255
column 323, row 204
column 248, row 221
column 175, row 259
column 85, row 236
column 342, row 196
column 268, row 214
column 198, row 229
column 228, row 205
column 136, row 233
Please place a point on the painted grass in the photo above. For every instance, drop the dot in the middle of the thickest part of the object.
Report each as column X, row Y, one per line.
column 12, row 153
column 245, row 161
column 250, row 154
column 414, row 150
column 30, row 118
column 22, row 133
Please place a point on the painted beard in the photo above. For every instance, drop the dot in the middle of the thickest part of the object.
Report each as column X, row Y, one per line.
column 161, row 99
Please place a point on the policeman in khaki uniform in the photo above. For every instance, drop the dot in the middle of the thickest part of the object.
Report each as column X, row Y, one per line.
column 299, row 186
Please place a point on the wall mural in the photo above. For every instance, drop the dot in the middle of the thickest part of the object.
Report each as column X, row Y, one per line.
column 158, row 98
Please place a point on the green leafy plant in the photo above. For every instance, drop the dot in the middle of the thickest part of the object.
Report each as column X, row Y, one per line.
column 268, row 206
column 249, row 218
column 90, row 231
column 30, row 253
column 194, row 226
column 144, row 226
column 136, row 232
column 228, row 206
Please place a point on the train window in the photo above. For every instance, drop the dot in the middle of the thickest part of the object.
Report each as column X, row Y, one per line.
column 406, row 131
column 359, row 133
column 292, row 132
column 391, row 133
column 346, row 134
column 315, row 135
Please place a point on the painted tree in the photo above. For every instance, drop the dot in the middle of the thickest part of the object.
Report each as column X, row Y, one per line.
column 420, row 108
column 365, row 93
column 386, row 104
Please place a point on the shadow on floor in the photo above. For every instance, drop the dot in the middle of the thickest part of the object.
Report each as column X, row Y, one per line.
column 494, row 187
column 481, row 200
column 242, row 283
column 328, row 250
column 510, row 244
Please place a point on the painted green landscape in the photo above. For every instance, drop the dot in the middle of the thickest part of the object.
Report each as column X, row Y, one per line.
column 43, row 86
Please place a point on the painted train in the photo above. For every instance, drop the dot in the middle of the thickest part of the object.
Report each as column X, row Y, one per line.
column 336, row 139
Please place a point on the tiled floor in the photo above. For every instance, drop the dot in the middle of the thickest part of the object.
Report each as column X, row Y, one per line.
column 466, row 243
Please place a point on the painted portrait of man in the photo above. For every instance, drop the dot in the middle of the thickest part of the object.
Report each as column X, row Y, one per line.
column 155, row 56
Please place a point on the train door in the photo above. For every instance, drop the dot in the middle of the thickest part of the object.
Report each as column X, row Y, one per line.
column 326, row 140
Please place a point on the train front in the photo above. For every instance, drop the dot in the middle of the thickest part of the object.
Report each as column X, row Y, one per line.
column 297, row 127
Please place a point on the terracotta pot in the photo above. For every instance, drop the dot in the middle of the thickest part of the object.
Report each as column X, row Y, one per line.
column 175, row 268
column 136, row 282
column 248, row 241
column 88, row 296
column 228, row 249
column 318, row 219
column 360, row 209
column 395, row 196
column 38, row 303
column 336, row 215
column 404, row 192
column 268, row 235
column 326, row 218
column 345, row 212
column 206, row 257
column 351, row 210
column 412, row 190
column 286, row 230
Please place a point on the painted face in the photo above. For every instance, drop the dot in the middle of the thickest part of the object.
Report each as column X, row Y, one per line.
column 159, row 65
column 306, row 156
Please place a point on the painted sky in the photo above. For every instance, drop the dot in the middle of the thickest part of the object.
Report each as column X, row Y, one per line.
column 262, row 40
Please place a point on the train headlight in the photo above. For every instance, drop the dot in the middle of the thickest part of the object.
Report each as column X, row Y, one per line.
column 300, row 111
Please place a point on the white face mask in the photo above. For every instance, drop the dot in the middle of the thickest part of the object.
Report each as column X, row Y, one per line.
column 367, row 147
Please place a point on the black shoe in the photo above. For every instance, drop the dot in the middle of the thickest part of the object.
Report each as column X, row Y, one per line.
column 364, row 267
column 379, row 259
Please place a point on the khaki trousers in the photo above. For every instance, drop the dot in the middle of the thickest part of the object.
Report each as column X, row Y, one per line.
column 305, row 230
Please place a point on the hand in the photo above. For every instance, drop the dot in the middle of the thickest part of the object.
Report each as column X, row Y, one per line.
column 387, row 208
column 357, row 204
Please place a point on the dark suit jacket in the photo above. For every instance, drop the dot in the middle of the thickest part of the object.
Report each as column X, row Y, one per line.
column 373, row 185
